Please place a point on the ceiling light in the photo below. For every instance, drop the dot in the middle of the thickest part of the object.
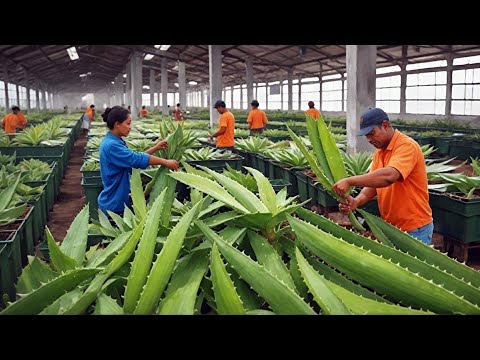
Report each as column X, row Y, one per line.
column 72, row 52
column 148, row 57
column 175, row 68
column 156, row 46
column 82, row 75
column 124, row 75
column 113, row 82
column 164, row 47
column 176, row 84
column 146, row 87
column 192, row 83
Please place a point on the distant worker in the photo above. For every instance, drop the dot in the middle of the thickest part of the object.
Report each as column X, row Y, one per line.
column 256, row 119
column 13, row 121
column 129, row 109
column 88, row 118
column 178, row 113
column 312, row 111
column 144, row 112
column 65, row 109
column 226, row 127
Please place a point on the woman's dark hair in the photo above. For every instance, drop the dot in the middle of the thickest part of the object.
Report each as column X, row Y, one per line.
column 115, row 114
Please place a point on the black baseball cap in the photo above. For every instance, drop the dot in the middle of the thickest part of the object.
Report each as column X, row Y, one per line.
column 371, row 118
column 219, row 103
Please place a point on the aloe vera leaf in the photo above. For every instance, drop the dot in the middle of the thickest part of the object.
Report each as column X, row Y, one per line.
column 314, row 137
column 331, row 150
column 211, row 188
column 110, row 250
column 244, row 196
column 265, row 190
column 380, row 235
column 9, row 215
column 281, row 298
column 138, row 199
column 7, row 193
column 231, row 234
column 36, row 301
column 60, row 261
column 75, row 242
column 163, row 265
column 106, row 228
column 416, row 248
column 34, row 275
column 355, row 223
column 250, row 299
column 182, row 291
column 226, row 297
column 297, row 277
column 105, row 305
column 362, row 306
column 143, row 256
column 95, row 287
column 260, row 312
column 167, row 202
column 377, row 273
column 118, row 221
column 320, row 289
column 63, row 302
column 268, row 257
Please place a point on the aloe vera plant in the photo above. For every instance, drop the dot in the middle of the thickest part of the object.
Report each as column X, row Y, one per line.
column 9, row 214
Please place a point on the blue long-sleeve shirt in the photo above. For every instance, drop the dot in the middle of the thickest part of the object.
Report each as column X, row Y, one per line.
column 116, row 163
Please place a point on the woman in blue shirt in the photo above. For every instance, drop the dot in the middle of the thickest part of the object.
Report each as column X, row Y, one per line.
column 117, row 161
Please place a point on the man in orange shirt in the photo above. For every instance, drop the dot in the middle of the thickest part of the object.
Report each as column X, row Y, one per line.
column 226, row 127
column 88, row 118
column 398, row 177
column 14, row 120
column 312, row 111
column 143, row 112
column 256, row 119
column 177, row 113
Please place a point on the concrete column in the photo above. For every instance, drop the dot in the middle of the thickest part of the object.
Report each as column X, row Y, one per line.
column 241, row 96
column 403, row 83
column 343, row 93
column 37, row 94
column 361, row 66
column 6, row 81
column 44, row 97
column 320, row 75
column 182, row 84
column 256, row 92
column 202, row 97
column 300, row 92
column 249, row 67
column 17, row 89
column 136, row 83
column 27, row 88
column 119, row 90
column 152, row 89
column 231, row 97
column 164, row 87
column 290, row 95
column 224, row 96
column 50, row 98
column 128, row 84
column 159, row 89
column 215, row 77
column 448, row 95
column 266, row 96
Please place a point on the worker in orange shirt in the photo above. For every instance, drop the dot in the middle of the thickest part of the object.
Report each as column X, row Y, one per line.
column 226, row 127
column 256, row 119
column 312, row 111
column 88, row 118
column 144, row 112
column 398, row 177
column 11, row 122
column 178, row 113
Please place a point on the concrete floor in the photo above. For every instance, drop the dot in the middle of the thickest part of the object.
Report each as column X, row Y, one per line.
column 70, row 199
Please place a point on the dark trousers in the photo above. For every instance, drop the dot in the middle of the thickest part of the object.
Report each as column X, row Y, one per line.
column 256, row 131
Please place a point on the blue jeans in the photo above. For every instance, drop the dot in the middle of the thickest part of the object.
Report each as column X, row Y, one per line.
column 424, row 233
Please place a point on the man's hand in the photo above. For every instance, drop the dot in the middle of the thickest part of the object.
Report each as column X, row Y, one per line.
column 163, row 144
column 350, row 205
column 171, row 164
column 341, row 187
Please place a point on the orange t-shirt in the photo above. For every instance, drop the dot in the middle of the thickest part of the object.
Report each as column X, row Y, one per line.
column 22, row 121
column 405, row 202
column 10, row 122
column 143, row 113
column 257, row 119
column 313, row 113
column 89, row 112
column 227, row 120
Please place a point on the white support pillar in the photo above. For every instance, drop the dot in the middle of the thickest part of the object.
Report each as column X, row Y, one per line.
column 44, row 97
column 6, row 81
column 299, row 92
column 343, row 92
column 281, row 94
column 249, row 67
column 256, row 91
column 403, row 82
column 27, row 88
column 202, row 96
column 119, row 90
column 448, row 95
column 241, row 96
column 361, row 66
column 182, row 84
column 136, row 83
column 37, row 95
column 266, row 95
column 231, row 97
column 128, row 84
column 17, row 90
column 50, row 98
column 152, row 89
column 215, row 75
column 289, row 87
column 159, row 89
column 320, row 98
column 164, row 87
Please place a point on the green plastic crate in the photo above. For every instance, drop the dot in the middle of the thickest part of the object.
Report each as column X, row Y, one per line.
column 91, row 193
